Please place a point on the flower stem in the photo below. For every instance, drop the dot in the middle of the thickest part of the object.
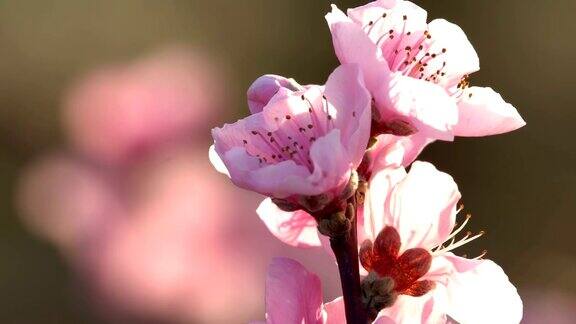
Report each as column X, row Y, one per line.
column 345, row 248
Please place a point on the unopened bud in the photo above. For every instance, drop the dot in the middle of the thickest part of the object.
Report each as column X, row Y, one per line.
column 335, row 225
column 377, row 293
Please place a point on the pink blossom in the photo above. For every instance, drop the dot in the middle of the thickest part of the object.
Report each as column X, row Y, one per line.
column 418, row 72
column 294, row 296
column 303, row 143
column 410, row 223
column 154, row 240
column 66, row 201
column 118, row 114
column 177, row 253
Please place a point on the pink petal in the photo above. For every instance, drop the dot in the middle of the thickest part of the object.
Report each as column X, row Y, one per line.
column 392, row 25
column 483, row 112
column 335, row 311
column 422, row 207
column 346, row 92
column 332, row 165
column 246, row 172
column 396, row 151
column 480, row 292
column 384, row 320
column 294, row 228
column 352, row 45
column 293, row 295
column 460, row 57
column 266, row 87
column 371, row 11
column 423, row 104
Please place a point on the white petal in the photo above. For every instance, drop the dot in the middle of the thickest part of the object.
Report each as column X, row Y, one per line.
column 422, row 207
column 293, row 228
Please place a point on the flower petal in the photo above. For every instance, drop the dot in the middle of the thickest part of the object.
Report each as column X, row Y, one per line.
column 381, row 185
column 335, row 311
column 395, row 151
column 266, row 87
column 352, row 45
column 424, row 105
column 331, row 162
column 294, row 228
column 217, row 161
column 427, row 309
column 346, row 92
column 483, row 112
column 422, row 207
column 449, row 41
column 480, row 292
column 392, row 25
column 293, row 294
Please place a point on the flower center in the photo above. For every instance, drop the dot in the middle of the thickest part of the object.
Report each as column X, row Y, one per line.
column 383, row 258
column 412, row 53
column 454, row 243
column 291, row 134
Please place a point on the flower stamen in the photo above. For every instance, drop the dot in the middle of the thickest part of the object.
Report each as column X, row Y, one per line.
column 469, row 237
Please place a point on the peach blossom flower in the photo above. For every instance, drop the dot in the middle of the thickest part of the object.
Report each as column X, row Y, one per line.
column 418, row 72
column 303, row 143
column 408, row 222
column 411, row 232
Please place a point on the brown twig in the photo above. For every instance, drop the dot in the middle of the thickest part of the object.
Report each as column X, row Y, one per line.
column 345, row 248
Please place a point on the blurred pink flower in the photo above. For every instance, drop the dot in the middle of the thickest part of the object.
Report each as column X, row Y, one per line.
column 137, row 209
column 417, row 72
column 66, row 201
column 177, row 253
column 157, row 242
column 118, row 113
column 303, row 143
column 294, row 296
column 408, row 222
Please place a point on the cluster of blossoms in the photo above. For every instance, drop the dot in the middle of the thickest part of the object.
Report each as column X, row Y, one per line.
column 332, row 160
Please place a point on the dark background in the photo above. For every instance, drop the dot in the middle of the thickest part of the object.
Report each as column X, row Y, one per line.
column 519, row 187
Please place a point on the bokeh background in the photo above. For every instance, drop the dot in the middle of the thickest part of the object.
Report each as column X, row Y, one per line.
column 99, row 204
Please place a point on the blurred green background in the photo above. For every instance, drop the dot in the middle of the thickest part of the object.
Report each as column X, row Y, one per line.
column 520, row 186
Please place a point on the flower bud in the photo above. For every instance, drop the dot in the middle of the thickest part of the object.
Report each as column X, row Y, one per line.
column 377, row 293
column 335, row 225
